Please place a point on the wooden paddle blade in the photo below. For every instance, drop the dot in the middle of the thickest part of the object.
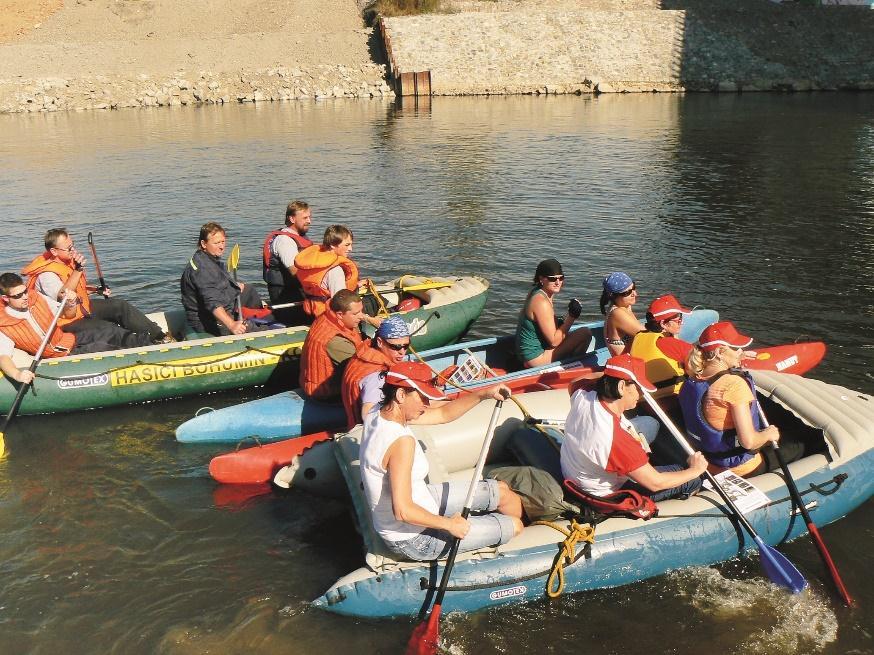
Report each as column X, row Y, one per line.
column 779, row 569
column 234, row 258
column 424, row 639
column 830, row 565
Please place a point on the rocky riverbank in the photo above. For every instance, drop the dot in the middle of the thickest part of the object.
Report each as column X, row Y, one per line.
column 110, row 54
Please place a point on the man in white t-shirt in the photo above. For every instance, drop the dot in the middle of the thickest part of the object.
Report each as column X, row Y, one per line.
column 602, row 450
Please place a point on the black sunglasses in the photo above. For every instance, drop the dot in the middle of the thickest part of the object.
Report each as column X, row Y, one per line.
column 397, row 347
column 625, row 294
column 16, row 296
column 555, row 278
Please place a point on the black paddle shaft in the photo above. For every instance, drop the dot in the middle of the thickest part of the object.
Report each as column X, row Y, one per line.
column 96, row 261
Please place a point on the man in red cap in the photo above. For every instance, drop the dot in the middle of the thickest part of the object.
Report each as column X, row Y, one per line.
column 661, row 348
column 415, row 519
column 603, row 451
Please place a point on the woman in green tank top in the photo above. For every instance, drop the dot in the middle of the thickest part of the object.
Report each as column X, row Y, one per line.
column 542, row 338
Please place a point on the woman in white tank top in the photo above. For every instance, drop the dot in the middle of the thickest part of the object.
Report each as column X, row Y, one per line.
column 416, row 519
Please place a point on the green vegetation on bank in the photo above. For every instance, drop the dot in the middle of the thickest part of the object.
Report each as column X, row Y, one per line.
column 407, row 7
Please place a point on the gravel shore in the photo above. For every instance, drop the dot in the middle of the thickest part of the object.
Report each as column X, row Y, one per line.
column 106, row 54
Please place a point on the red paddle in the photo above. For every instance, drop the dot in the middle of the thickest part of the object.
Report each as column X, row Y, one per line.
column 424, row 639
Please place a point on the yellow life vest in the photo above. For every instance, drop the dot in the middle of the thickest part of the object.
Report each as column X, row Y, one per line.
column 659, row 367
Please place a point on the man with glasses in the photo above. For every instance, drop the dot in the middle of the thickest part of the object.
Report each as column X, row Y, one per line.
column 24, row 318
column 362, row 383
column 364, row 378
column 61, row 268
column 661, row 348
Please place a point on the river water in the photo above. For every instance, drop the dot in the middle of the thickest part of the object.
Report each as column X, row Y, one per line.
column 760, row 206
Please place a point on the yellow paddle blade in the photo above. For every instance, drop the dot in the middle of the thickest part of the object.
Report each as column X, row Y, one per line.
column 234, row 258
column 2, row 446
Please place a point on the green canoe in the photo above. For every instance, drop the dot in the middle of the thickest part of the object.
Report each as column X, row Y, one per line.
column 202, row 365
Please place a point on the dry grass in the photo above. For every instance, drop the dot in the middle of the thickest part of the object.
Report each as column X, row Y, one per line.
column 407, row 7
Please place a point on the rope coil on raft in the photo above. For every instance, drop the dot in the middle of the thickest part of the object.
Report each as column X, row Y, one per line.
column 567, row 555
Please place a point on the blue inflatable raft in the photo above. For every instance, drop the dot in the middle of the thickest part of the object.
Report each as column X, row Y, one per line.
column 837, row 425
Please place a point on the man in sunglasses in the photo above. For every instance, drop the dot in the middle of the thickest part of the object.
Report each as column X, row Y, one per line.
column 61, row 268
column 364, row 378
column 661, row 348
column 24, row 318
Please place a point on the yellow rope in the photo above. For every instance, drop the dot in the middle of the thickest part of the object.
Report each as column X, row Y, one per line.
column 578, row 532
column 382, row 309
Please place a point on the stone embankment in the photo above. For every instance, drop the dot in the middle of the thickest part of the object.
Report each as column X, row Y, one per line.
column 200, row 87
column 583, row 46
column 108, row 54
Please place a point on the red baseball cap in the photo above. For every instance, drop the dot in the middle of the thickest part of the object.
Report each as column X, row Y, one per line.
column 633, row 369
column 668, row 305
column 414, row 375
column 722, row 333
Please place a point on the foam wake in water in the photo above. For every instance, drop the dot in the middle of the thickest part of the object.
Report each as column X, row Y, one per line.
column 758, row 616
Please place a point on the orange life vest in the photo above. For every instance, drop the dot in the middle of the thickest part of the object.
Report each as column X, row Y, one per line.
column 316, row 368
column 312, row 265
column 29, row 340
column 367, row 360
column 46, row 263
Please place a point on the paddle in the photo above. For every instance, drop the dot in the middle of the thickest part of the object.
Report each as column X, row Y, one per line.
column 776, row 566
column 233, row 263
column 402, row 289
column 424, row 639
column 811, row 526
column 96, row 264
column 13, row 409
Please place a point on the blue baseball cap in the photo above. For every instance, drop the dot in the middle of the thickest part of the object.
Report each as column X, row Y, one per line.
column 616, row 282
column 393, row 327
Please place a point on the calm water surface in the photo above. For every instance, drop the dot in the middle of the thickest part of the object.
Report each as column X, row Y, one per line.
column 115, row 539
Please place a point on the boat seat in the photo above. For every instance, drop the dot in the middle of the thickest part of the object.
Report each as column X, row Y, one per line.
column 534, row 448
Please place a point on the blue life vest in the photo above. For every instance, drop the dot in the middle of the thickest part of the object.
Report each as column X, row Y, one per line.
column 720, row 447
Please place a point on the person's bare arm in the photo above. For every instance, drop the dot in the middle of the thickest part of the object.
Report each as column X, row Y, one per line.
column 655, row 480
column 11, row 371
column 399, row 464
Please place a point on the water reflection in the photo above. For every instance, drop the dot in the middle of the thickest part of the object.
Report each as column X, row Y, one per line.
column 112, row 530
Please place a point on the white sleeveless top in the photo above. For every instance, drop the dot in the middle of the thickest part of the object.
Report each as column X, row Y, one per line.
column 379, row 435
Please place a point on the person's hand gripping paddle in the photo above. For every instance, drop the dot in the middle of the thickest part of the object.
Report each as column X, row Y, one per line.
column 424, row 639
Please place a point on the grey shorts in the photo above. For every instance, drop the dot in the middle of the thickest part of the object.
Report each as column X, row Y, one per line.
column 485, row 530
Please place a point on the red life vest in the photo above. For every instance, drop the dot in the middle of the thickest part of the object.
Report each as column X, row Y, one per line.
column 47, row 263
column 29, row 340
column 625, row 502
column 312, row 265
column 366, row 360
column 316, row 368
column 301, row 241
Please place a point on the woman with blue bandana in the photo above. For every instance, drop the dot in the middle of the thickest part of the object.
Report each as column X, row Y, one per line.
column 541, row 337
column 620, row 326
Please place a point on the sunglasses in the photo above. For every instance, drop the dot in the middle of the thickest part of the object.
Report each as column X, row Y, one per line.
column 555, row 278
column 625, row 294
column 16, row 296
column 72, row 247
column 397, row 347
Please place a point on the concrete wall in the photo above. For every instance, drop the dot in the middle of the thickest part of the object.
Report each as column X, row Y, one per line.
column 620, row 45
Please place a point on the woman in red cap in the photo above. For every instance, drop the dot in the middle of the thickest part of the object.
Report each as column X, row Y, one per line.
column 604, row 452
column 720, row 408
column 541, row 337
column 660, row 347
column 415, row 519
